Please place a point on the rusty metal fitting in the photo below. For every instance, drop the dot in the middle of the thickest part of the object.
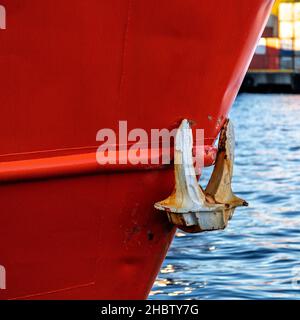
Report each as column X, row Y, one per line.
column 191, row 208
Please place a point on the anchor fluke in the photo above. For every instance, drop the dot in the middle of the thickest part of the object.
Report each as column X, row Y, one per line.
column 190, row 207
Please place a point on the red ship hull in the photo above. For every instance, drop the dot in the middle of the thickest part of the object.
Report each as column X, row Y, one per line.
column 70, row 229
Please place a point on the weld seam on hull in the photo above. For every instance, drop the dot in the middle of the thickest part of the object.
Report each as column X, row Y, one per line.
column 30, row 296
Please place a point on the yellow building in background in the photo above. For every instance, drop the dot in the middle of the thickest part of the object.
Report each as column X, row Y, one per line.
column 277, row 57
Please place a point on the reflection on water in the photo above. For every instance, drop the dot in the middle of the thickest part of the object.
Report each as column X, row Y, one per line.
column 258, row 255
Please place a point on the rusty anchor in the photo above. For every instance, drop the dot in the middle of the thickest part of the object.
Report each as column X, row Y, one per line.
column 191, row 208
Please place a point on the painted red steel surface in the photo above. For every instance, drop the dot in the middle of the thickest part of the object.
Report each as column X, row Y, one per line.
column 72, row 67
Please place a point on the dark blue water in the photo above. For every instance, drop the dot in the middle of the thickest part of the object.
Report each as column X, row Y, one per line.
column 258, row 255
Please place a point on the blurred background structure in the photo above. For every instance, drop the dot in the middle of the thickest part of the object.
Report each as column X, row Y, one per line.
column 276, row 62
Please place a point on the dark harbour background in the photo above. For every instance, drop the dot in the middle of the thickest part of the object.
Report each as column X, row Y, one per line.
column 258, row 255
